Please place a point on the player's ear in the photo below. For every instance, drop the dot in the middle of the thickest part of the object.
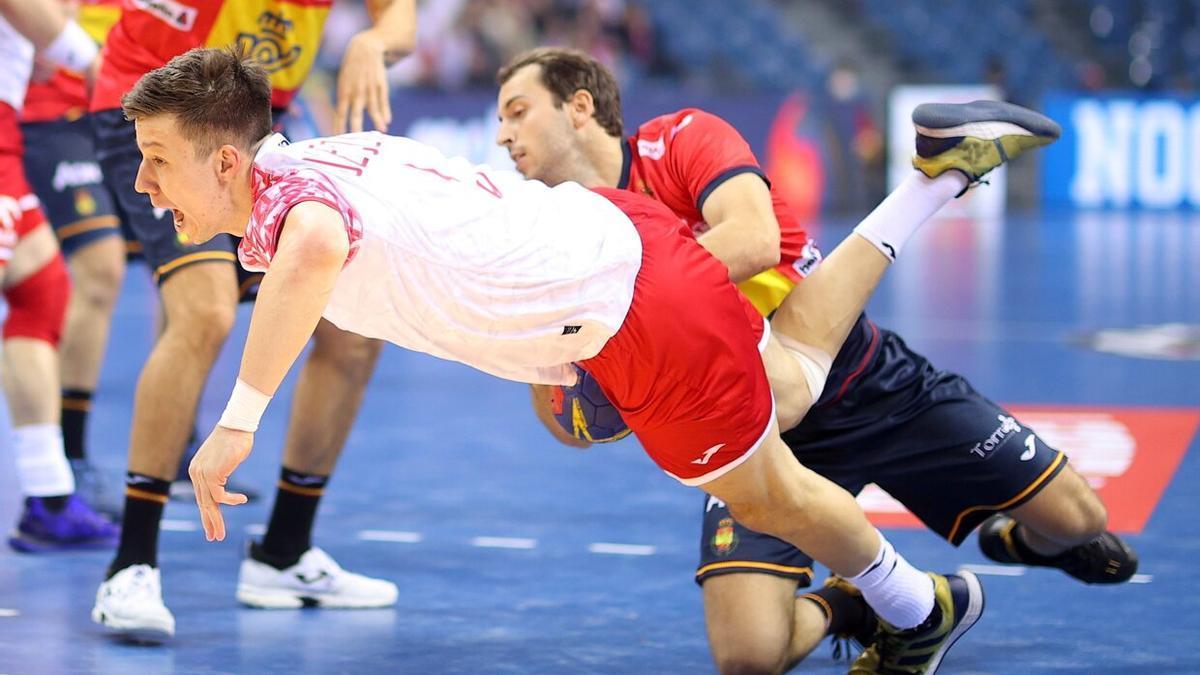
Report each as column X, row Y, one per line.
column 229, row 160
column 582, row 107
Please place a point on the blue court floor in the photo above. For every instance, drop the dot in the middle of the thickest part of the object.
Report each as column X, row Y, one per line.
column 514, row 555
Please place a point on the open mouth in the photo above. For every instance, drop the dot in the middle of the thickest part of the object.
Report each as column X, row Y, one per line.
column 178, row 216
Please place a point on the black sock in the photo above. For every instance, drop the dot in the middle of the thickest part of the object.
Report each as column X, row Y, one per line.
column 145, row 497
column 76, row 404
column 289, row 532
column 843, row 612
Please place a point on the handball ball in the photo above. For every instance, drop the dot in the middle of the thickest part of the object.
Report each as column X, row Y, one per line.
column 584, row 411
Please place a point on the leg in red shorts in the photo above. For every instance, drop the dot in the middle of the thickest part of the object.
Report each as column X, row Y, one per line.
column 684, row 369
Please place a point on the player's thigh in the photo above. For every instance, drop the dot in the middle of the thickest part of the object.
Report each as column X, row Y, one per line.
column 962, row 460
column 200, row 300
column 65, row 174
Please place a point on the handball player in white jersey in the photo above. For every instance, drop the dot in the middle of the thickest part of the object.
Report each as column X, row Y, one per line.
column 386, row 237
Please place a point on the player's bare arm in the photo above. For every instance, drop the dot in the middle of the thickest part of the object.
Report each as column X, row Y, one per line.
column 40, row 20
column 362, row 81
column 744, row 234
column 312, row 249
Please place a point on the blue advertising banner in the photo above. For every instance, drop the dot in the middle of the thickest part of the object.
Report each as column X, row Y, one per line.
column 1124, row 151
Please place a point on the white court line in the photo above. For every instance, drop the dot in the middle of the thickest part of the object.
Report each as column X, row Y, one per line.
column 620, row 549
column 256, row 529
column 390, row 535
column 995, row 570
column 9, row 613
column 1141, row 578
column 172, row 525
column 504, row 542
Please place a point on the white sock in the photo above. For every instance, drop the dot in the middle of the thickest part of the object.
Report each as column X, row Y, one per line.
column 42, row 468
column 912, row 203
column 899, row 593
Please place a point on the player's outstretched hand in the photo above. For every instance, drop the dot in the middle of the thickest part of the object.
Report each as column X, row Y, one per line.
column 222, row 452
column 362, row 85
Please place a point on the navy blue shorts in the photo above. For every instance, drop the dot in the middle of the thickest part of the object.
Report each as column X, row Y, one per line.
column 165, row 253
column 61, row 166
column 923, row 435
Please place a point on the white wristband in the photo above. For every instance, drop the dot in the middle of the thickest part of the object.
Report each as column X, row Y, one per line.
column 245, row 408
column 73, row 49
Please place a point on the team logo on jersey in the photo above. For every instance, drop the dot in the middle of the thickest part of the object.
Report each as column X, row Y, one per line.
column 1008, row 426
column 85, row 203
column 654, row 149
column 175, row 14
column 270, row 47
column 725, row 541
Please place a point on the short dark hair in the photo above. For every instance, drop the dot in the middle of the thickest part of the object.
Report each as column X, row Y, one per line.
column 566, row 71
column 217, row 95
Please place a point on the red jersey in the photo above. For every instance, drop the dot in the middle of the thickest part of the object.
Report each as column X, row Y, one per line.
column 64, row 95
column 681, row 157
column 282, row 34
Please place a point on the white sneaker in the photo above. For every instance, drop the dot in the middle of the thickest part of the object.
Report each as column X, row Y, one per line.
column 316, row 580
column 130, row 604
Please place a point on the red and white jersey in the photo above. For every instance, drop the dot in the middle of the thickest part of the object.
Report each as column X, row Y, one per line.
column 457, row 260
column 681, row 157
column 16, row 64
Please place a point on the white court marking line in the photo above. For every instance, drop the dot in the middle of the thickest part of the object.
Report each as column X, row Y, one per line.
column 995, row 570
column 1141, row 578
column 173, row 525
column 504, row 542
column 9, row 613
column 256, row 529
column 621, row 549
column 390, row 535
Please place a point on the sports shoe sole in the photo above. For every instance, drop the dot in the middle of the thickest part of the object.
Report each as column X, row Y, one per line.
column 975, row 605
column 131, row 631
column 26, row 544
column 275, row 598
column 987, row 120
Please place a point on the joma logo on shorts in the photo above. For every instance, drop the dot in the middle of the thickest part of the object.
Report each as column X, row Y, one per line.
column 1008, row 425
column 177, row 15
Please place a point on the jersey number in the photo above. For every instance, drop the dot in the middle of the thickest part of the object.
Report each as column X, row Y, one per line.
column 343, row 154
column 481, row 180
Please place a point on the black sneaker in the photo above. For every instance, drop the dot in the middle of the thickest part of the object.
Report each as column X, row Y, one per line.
column 1107, row 559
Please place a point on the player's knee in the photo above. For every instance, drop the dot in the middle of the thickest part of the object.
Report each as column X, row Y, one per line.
column 203, row 324
column 1078, row 517
column 347, row 352
column 97, row 286
column 37, row 305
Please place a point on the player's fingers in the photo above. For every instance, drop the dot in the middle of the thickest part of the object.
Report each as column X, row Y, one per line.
column 358, row 106
column 375, row 110
column 342, row 112
column 232, row 499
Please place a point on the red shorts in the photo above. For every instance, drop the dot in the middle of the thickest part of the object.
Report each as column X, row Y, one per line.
column 19, row 209
column 684, row 369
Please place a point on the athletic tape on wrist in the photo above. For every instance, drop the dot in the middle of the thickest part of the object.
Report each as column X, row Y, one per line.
column 73, row 49
column 245, row 408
